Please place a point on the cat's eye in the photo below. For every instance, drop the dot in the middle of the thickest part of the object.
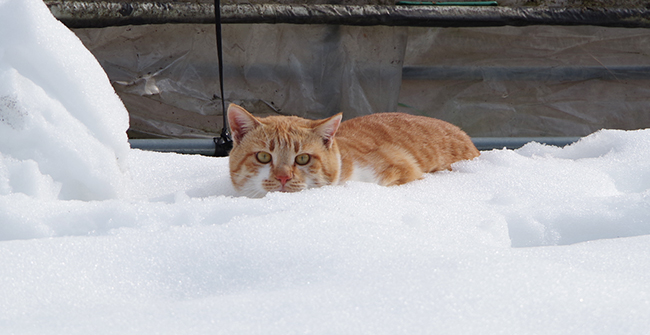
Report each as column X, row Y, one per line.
column 263, row 157
column 303, row 159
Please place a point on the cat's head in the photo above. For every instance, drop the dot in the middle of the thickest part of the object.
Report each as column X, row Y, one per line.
column 282, row 153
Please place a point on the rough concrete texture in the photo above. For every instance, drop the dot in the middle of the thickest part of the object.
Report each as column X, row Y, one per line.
column 513, row 3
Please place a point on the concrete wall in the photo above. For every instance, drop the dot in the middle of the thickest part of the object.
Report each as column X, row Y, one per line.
column 514, row 3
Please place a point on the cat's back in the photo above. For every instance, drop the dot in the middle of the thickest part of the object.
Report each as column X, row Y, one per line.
column 401, row 147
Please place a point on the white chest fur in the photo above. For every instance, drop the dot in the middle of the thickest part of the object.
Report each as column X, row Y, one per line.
column 364, row 174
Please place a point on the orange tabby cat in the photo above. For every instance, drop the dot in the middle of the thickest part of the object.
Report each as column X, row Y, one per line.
column 289, row 153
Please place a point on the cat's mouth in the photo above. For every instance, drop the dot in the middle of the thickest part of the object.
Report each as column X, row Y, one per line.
column 288, row 188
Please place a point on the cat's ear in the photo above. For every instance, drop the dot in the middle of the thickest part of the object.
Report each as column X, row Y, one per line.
column 328, row 127
column 240, row 121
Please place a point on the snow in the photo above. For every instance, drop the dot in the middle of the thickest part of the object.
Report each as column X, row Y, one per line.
column 99, row 238
column 58, row 120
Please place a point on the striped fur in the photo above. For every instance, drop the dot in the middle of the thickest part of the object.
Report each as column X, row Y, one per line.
column 389, row 148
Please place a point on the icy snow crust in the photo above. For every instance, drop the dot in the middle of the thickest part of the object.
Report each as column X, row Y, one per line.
column 96, row 238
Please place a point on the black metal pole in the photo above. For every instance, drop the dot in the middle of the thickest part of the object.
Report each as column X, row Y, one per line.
column 224, row 143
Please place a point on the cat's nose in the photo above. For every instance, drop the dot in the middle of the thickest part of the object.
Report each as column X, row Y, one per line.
column 283, row 179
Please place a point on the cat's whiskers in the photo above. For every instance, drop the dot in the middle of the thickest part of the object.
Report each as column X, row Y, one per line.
column 252, row 186
column 295, row 186
column 252, row 191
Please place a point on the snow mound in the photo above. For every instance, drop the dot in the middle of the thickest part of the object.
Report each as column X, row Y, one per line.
column 596, row 188
column 61, row 124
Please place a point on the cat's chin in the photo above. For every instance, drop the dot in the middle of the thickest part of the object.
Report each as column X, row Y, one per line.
column 261, row 192
column 284, row 189
column 291, row 187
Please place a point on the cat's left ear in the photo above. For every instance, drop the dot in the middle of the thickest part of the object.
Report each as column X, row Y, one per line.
column 328, row 128
column 240, row 121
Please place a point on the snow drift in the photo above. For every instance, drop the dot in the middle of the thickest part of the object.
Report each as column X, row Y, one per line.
column 61, row 125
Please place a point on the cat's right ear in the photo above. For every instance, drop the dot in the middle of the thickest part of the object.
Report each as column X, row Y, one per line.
column 240, row 121
column 328, row 128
